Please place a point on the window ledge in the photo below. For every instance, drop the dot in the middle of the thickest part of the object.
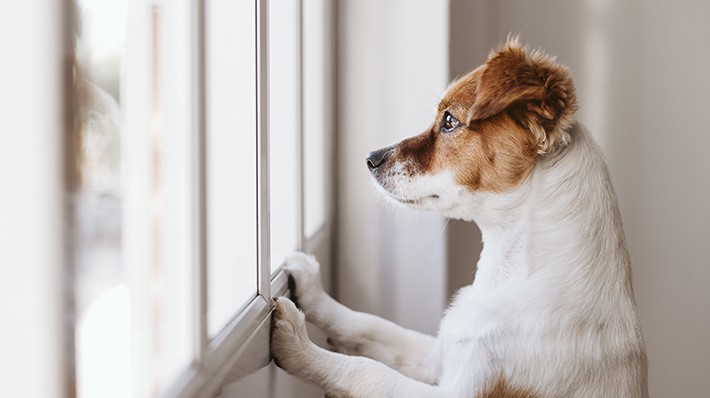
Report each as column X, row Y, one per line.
column 241, row 349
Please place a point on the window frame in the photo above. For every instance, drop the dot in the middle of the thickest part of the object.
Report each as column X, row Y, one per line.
column 213, row 361
column 216, row 357
column 242, row 346
column 247, row 335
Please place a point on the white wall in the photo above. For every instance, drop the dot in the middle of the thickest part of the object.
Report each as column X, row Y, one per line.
column 642, row 81
column 392, row 68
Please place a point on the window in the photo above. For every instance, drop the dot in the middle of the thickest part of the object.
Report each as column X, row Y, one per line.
column 284, row 127
column 230, row 158
column 201, row 162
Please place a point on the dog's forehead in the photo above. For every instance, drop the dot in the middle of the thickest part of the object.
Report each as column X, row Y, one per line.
column 462, row 92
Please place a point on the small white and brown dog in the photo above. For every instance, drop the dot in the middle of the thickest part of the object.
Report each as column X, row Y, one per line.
column 551, row 312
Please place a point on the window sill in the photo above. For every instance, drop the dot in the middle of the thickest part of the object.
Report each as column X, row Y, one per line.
column 239, row 350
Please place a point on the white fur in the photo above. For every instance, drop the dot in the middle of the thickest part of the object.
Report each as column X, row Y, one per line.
column 427, row 192
column 551, row 310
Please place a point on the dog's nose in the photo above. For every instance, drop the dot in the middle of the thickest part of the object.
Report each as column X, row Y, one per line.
column 376, row 158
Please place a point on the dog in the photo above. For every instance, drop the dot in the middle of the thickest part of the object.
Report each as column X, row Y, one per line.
column 551, row 311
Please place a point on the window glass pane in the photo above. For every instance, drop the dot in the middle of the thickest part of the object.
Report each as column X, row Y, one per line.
column 230, row 68
column 283, row 128
column 313, row 116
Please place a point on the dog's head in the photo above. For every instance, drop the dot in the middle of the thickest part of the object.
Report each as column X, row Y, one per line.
column 490, row 128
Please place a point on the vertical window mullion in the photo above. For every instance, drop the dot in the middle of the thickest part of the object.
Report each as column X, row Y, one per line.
column 200, row 185
column 262, row 123
column 299, row 140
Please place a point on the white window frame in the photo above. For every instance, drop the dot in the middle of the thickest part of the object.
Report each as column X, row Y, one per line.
column 216, row 358
column 243, row 344
column 246, row 337
column 41, row 143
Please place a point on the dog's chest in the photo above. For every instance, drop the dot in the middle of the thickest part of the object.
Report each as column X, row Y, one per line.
column 468, row 322
column 469, row 338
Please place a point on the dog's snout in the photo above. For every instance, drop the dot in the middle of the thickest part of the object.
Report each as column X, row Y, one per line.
column 376, row 158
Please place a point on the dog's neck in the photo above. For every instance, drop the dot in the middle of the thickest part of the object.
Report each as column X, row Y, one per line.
column 562, row 222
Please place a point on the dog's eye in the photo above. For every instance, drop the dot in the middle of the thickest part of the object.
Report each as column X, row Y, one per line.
column 449, row 123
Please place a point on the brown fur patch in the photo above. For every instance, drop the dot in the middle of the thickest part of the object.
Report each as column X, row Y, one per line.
column 491, row 156
column 538, row 91
column 418, row 151
column 514, row 108
column 502, row 390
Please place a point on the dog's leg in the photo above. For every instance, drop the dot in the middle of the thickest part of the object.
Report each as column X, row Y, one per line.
column 339, row 375
column 355, row 333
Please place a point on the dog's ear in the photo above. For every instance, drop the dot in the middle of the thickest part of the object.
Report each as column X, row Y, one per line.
column 532, row 87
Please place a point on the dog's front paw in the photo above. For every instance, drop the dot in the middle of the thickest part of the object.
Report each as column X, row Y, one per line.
column 290, row 344
column 304, row 280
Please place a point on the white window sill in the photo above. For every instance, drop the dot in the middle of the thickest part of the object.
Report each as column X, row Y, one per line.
column 239, row 350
